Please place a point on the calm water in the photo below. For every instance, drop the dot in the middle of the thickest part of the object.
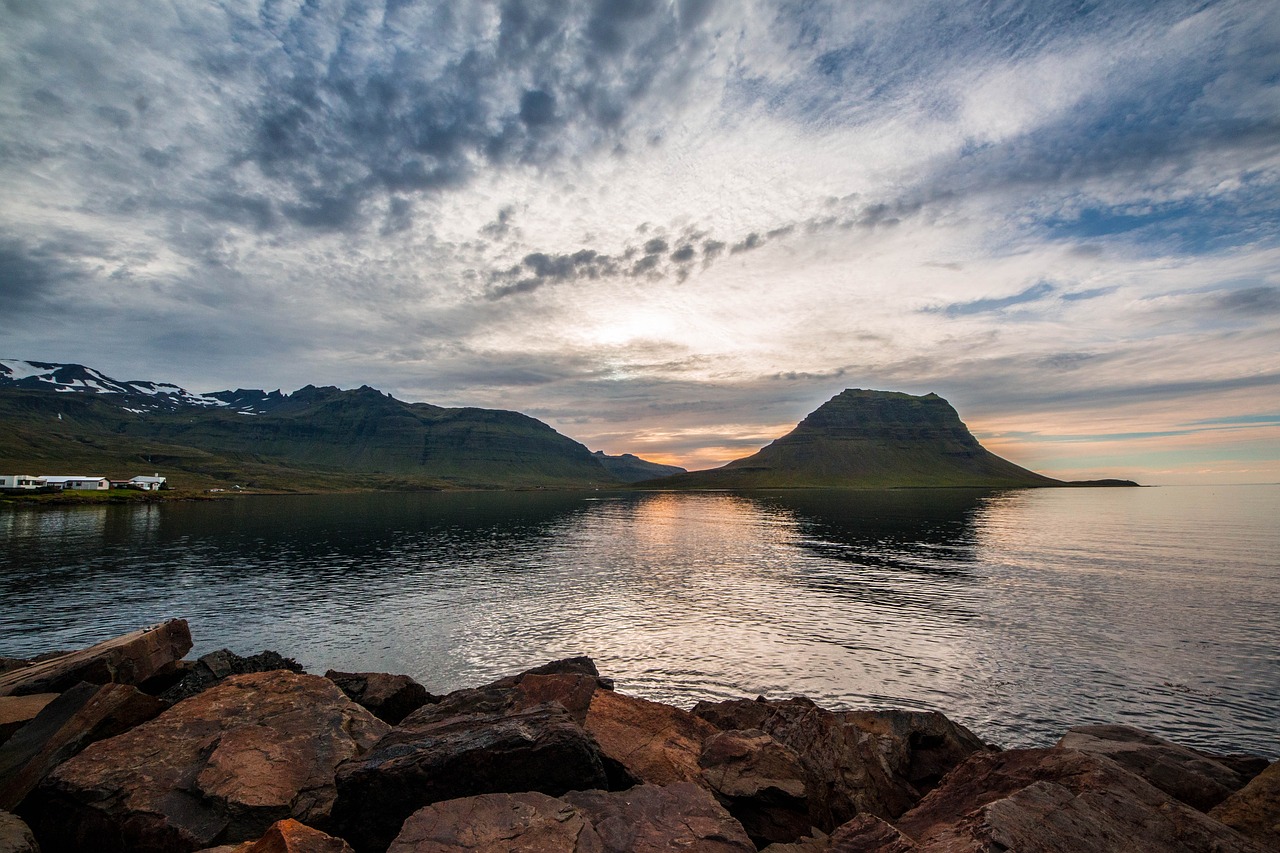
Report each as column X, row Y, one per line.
column 1016, row 613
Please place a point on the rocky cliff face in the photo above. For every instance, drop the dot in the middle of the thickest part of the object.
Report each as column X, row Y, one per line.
column 870, row 439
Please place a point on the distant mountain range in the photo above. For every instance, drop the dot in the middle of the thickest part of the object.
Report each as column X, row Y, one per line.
column 59, row 418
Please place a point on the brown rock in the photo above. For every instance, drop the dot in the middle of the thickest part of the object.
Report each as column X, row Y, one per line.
column 855, row 761
column 867, row 833
column 390, row 698
column 1184, row 773
column 130, row 659
column 498, row 823
column 290, row 836
column 1057, row 801
column 818, row 842
column 84, row 714
column 15, row 836
column 216, row 768
column 1255, row 808
column 17, row 711
column 919, row 746
column 651, row 742
column 760, row 782
column 649, row 818
column 10, row 664
column 460, row 749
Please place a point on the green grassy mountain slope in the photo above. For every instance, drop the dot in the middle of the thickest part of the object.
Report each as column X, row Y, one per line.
column 868, row 439
column 313, row 438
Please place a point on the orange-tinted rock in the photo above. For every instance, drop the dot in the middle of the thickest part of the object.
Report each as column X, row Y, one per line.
column 498, row 823
column 483, row 745
column 655, row 819
column 129, row 659
column 84, row 714
column 867, row 833
column 653, row 743
column 761, row 783
column 1255, row 809
column 1057, row 801
column 390, row 698
column 1183, row 773
column 17, row 711
column 290, row 836
column 217, row 768
column 918, row 746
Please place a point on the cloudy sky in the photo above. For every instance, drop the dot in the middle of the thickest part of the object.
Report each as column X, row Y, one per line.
column 668, row 228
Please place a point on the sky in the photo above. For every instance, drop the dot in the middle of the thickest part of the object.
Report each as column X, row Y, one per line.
column 668, row 228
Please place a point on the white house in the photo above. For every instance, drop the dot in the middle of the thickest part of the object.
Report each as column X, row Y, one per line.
column 21, row 481
column 78, row 482
column 149, row 484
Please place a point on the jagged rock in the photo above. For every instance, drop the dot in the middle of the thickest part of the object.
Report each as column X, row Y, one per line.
column 15, row 835
column 855, row 761
column 219, row 767
column 498, row 823
column 287, row 836
column 867, row 833
column 10, row 664
column 390, row 698
column 651, row 742
column 84, row 714
column 129, row 659
column 815, row 843
column 919, row 746
column 653, row 819
column 17, row 711
column 215, row 667
column 760, row 782
column 1054, row 801
column 460, row 749
column 1184, row 773
column 1255, row 809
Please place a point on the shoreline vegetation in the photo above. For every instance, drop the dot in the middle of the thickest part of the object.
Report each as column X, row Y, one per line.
column 129, row 746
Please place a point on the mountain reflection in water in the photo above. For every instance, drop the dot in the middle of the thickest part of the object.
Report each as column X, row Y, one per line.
column 1017, row 613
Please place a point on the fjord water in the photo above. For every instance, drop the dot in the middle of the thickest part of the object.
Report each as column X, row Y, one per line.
column 1018, row 613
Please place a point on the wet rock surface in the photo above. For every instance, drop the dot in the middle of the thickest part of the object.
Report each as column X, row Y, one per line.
column 219, row 767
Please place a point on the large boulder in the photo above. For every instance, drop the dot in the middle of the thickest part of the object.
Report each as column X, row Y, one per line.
column 15, row 835
column 129, row 659
column 288, row 836
column 1255, row 808
column 1046, row 800
column 390, row 698
column 651, row 742
column 655, row 819
column 17, row 711
column 761, row 783
column 855, row 761
column 83, row 715
column 460, row 749
column 1188, row 775
column 219, row 767
column 498, row 823
column 215, row 667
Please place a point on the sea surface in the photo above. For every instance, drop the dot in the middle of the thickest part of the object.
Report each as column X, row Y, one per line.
column 1017, row 613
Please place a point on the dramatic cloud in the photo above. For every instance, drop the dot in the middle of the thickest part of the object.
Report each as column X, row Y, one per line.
column 669, row 228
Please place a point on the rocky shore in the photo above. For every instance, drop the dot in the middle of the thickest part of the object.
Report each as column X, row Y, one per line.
column 127, row 746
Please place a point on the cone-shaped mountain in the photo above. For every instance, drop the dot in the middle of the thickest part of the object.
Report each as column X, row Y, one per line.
column 869, row 439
